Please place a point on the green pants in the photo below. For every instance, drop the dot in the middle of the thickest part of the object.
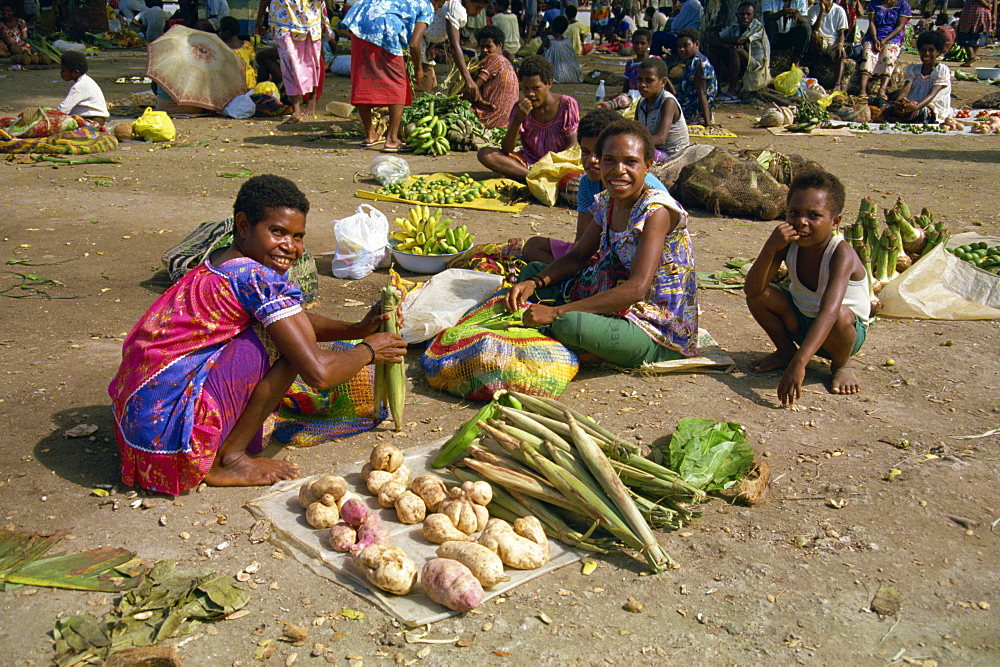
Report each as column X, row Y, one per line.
column 614, row 339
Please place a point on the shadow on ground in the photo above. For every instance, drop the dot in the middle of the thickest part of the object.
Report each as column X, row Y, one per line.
column 980, row 157
column 86, row 461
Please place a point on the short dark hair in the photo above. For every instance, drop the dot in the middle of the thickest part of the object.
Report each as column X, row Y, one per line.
column 266, row 192
column 650, row 9
column 932, row 37
column 559, row 24
column 657, row 65
column 631, row 128
column 942, row 18
column 570, row 12
column 490, row 32
column 745, row 4
column 154, row 3
column 593, row 123
column 72, row 61
column 8, row 3
column 690, row 33
column 820, row 179
column 501, row 5
column 640, row 32
column 229, row 25
column 536, row 66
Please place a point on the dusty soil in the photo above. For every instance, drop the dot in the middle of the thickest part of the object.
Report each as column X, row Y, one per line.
column 791, row 581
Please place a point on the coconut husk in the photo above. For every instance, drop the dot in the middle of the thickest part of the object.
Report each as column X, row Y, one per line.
column 754, row 488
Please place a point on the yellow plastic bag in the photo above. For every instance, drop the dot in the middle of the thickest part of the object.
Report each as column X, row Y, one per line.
column 787, row 83
column 154, row 126
column 268, row 88
column 544, row 176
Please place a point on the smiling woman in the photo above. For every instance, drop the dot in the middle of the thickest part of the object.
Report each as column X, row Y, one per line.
column 197, row 382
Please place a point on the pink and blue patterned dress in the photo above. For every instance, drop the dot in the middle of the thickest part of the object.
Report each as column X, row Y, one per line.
column 189, row 367
column 669, row 313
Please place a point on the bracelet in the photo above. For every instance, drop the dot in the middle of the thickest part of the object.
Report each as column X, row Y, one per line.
column 539, row 282
column 370, row 349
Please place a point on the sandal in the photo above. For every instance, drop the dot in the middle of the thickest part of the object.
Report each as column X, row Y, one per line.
column 368, row 144
column 726, row 98
column 397, row 149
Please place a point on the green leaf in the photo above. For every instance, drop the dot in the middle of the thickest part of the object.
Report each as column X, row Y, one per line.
column 709, row 455
column 90, row 570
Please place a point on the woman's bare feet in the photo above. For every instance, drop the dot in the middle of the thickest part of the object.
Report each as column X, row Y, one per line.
column 775, row 360
column 845, row 381
column 291, row 120
column 243, row 470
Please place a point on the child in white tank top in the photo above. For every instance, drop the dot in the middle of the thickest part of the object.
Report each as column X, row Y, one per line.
column 825, row 310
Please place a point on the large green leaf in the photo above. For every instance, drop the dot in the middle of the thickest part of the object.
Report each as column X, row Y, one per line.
column 710, row 455
column 92, row 570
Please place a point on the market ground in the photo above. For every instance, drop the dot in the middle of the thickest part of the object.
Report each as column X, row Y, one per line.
column 790, row 581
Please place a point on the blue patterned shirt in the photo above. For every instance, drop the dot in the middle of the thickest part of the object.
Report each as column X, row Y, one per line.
column 388, row 23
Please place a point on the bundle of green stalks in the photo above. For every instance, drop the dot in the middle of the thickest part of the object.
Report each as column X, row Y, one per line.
column 588, row 487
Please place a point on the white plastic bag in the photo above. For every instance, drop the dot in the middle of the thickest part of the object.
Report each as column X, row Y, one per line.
column 389, row 169
column 442, row 301
column 241, row 106
column 341, row 65
column 940, row 286
column 361, row 243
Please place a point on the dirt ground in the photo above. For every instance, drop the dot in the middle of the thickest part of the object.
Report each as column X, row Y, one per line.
column 788, row 582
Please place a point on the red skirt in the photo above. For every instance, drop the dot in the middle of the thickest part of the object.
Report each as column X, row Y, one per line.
column 378, row 78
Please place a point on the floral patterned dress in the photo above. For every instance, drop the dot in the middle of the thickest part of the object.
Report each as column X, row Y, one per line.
column 168, row 423
column 669, row 313
column 687, row 92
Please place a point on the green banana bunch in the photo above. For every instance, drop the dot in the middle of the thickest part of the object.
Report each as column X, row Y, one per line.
column 426, row 233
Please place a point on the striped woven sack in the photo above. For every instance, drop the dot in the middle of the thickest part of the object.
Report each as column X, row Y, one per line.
column 487, row 350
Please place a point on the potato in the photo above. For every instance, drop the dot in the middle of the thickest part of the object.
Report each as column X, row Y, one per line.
column 451, row 584
column 431, row 490
column 306, row 495
column 323, row 513
column 389, row 568
column 389, row 492
column 523, row 546
column 410, row 509
column 376, row 478
column 485, row 565
column 386, row 457
column 438, row 529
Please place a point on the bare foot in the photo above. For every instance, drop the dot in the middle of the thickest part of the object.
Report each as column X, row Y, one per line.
column 291, row 120
column 845, row 381
column 775, row 360
column 250, row 471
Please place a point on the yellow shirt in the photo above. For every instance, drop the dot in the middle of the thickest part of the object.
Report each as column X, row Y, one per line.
column 574, row 34
column 246, row 53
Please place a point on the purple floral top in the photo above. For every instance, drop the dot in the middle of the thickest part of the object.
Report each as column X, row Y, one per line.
column 538, row 139
column 669, row 313
column 886, row 19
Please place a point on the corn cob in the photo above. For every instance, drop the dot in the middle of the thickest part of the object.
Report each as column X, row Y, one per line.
column 395, row 374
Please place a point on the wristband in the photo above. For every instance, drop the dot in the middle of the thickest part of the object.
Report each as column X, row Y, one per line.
column 539, row 282
column 370, row 349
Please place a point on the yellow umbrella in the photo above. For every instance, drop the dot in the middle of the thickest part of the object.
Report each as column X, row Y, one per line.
column 196, row 68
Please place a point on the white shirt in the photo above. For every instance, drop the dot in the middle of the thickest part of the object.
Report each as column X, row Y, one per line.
column 921, row 85
column 218, row 9
column 154, row 19
column 84, row 98
column 451, row 12
column 833, row 21
column 784, row 25
column 658, row 22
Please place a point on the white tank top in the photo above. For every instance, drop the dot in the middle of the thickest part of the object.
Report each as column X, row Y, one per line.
column 807, row 301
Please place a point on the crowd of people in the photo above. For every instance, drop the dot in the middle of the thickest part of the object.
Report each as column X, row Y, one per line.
column 194, row 389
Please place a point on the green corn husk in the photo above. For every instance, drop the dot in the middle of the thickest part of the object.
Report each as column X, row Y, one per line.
column 529, row 486
column 602, row 470
column 395, row 374
column 455, row 447
column 524, row 421
column 518, row 434
column 509, row 444
column 481, row 454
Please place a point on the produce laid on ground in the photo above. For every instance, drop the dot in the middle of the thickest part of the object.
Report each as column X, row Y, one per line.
column 426, row 233
column 979, row 255
column 440, row 191
column 888, row 251
column 451, row 123
column 808, row 116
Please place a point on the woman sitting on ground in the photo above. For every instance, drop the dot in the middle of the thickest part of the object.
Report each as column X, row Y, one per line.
column 229, row 32
column 496, row 80
column 635, row 302
column 198, row 376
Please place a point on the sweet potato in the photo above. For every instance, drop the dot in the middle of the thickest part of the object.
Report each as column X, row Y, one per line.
column 523, row 546
column 451, row 584
column 485, row 565
column 389, row 568
column 431, row 490
column 342, row 537
column 410, row 509
column 389, row 492
column 439, row 529
column 372, row 532
column 354, row 512
column 386, row 457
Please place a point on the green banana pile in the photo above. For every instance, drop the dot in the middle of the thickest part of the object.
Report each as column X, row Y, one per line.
column 426, row 233
column 440, row 191
column 428, row 135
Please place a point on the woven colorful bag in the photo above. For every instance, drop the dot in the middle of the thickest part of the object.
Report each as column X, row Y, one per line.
column 488, row 350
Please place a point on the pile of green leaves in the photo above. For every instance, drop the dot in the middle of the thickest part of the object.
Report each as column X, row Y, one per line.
column 731, row 277
column 708, row 454
column 165, row 604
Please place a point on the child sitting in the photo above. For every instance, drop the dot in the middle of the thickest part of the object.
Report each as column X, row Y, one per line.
column 926, row 93
column 559, row 51
column 544, row 121
column 659, row 110
column 697, row 88
column 641, row 39
column 544, row 249
column 508, row 23
column 574, row 33
column 84, row 97
column 496, row 79
column 825, row 310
